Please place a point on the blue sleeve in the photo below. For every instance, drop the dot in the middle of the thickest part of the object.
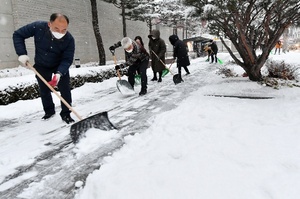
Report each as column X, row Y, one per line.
column 67, row 57
column 21, row 34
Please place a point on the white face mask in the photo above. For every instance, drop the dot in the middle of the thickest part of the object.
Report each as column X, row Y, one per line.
column 57, row 35
column 129, row 51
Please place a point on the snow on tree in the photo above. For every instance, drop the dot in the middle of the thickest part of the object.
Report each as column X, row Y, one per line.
column 249, row 24
column 171, row 13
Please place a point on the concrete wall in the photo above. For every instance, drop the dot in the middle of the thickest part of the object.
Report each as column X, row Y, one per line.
column 7, row 52
column 17, row 13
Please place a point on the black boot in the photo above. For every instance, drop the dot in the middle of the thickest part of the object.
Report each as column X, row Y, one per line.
column 160, row 75
column 154, row 77
column 67, row 119
column 143, row 92
column 48, row 116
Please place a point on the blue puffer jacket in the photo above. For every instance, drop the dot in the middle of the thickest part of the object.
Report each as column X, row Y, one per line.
column 56, row 54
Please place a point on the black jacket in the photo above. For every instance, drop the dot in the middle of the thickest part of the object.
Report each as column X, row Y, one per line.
column 213, row 47
column 180, row 51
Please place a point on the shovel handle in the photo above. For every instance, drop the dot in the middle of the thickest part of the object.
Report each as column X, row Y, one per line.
column 115, row 61
column 53, row 90
column 163, row 63
column 118, row 73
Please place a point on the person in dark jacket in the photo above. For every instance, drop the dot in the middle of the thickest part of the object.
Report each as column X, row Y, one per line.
column 213, row 51
column 137, row 60
column 181, row 53
column 54, row 53
column 157, row 47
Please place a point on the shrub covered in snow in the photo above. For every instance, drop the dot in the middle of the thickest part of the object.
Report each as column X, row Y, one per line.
column 31, row 91
column 281, row 70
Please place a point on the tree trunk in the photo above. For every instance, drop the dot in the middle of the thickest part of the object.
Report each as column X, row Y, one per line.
column 101, row 51
column 149, row 23
column 123, row 19
column 254, row 73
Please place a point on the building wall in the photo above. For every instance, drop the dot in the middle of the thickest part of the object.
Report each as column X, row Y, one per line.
column 7, row 53
column 17, row 13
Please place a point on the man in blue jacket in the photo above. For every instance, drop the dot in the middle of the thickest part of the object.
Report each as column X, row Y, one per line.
column 54, row 53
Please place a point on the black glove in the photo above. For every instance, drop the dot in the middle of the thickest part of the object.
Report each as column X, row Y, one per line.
column 117, row 45
column 118, row 67
column 111, row 48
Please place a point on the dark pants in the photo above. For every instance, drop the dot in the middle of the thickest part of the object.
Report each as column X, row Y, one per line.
column 142, row 70
column 214, row 57
column 184, row 67
column 45, row 92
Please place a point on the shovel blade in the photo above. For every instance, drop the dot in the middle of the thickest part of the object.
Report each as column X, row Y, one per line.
column 165, row 72
column 124, row 87
column 220, row 61
column 137, row 79
column 177, row 79
column 98, row 121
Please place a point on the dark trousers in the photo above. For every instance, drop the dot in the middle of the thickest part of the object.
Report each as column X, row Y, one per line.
column 213, row 57
column 45, row 92
column 184, row 67
column 141, row 68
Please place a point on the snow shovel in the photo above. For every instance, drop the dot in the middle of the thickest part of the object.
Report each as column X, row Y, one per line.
column 166, row 70
column 220, row 61
column 122, row 85
column 176, row 78
column 137, row 79
column 99, row 120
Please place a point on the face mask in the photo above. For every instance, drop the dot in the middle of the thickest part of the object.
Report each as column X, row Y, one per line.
column 129, row 51
column 57, row 35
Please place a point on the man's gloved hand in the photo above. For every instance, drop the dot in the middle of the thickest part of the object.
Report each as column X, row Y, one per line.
column 55, row 80
column 23, row 59
column 118, row 67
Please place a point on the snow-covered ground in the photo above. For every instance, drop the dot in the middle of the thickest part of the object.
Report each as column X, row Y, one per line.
column 200, row 146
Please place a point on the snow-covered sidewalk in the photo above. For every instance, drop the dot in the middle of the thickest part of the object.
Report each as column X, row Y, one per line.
column 178, row 141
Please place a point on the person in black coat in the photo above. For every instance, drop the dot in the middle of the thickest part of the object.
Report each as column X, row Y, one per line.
column 213, row 51
column 181, row 53
column 54, row 53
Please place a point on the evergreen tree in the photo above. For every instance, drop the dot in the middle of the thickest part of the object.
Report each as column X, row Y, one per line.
column 171, row 13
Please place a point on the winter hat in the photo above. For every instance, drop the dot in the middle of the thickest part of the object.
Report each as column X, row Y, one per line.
column 173, row 39
column 126, row 42
column 155, row 34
